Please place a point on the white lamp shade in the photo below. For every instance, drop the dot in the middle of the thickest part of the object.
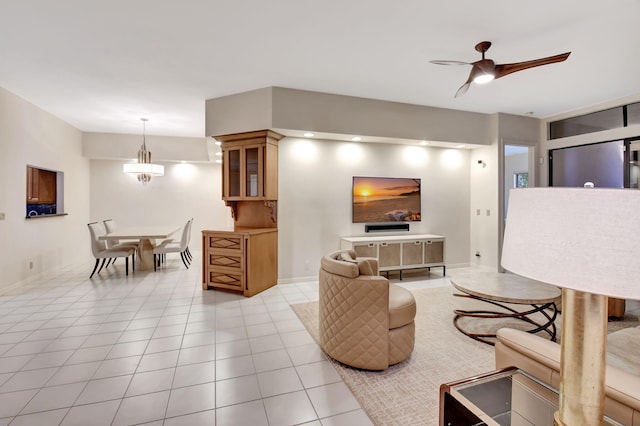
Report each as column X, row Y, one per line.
column 582, row 239
column 144, row 168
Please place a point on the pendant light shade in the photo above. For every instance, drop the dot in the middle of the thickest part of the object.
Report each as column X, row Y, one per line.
column 144, row 168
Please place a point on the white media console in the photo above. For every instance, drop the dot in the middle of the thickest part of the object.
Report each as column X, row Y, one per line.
column 400, row 252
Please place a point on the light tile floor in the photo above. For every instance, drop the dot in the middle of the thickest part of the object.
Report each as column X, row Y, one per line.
column 154, row 348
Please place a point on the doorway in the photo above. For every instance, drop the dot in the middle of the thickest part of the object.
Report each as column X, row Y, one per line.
column 518, row 170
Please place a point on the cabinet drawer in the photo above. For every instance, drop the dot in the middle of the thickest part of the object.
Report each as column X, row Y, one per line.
column 228, row 242
column 231, row 260
column 369, row 250
column 412, row 253
column 389, row 254
column 224, row 278
column 434, row 252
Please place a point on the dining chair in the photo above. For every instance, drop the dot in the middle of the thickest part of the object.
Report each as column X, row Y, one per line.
column 100, row 250
column 186, row 250
column 174, row 240
column 110, row 226
column 173, row 246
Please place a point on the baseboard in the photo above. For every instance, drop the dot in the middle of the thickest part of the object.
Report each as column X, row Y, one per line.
column 298, row 280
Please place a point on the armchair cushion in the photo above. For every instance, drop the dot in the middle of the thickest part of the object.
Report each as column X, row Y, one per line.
column 402, row 306
column 339, row 267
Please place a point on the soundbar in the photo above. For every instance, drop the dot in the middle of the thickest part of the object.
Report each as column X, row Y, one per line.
column 386, row 227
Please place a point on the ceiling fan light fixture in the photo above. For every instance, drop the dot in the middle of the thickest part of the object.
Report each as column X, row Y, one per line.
column 483, row 78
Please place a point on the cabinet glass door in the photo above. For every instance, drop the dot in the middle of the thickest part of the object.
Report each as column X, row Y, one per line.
column 233, row 163
column 252, row 168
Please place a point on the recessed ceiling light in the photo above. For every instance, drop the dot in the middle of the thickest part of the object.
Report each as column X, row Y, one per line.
column 219, row 154
column 529, row 113
column 356, row 138
column 218, row 143
column 460, row 146
column 308, row 135
column 424, row 143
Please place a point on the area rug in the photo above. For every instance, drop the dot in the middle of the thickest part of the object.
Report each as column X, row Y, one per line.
column 408, row 393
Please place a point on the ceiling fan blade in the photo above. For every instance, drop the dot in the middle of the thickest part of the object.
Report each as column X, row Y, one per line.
column 450, row 63
column 505, row 69
column 463, row 89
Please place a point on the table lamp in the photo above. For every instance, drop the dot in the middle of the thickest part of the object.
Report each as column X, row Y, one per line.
column 586, row 241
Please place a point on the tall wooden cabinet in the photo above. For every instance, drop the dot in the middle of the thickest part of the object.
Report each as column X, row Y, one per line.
column 246, row 258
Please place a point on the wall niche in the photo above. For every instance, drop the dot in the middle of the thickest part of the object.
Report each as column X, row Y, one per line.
column 45, row 192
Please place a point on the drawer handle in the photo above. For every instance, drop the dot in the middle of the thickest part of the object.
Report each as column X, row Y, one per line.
column 383, row 244
column 372, row 245
column 416, row 243
column 428, row 242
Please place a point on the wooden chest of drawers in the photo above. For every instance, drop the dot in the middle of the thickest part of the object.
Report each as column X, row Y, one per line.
column 244, row 260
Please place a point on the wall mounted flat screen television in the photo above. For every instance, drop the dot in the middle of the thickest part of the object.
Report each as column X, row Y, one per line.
column 383, row 199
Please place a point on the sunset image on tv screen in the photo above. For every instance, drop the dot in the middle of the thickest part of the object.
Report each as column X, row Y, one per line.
column 378, row 199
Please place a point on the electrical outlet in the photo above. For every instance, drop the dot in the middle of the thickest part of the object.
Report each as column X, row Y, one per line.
column 488, row 212
column 1, row 215
column 31, row 264
column 477, row 212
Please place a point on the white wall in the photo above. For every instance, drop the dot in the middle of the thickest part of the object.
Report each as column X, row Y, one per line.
column 186, row 190
column 314, row 200
column 484, row 206
column 29, row 135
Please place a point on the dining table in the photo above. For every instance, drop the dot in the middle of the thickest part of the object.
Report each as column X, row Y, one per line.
column 146, row 237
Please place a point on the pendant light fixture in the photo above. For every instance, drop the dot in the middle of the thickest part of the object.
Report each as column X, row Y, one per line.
column 144, row 168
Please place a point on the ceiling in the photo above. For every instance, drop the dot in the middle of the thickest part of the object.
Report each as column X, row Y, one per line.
column 101, row 65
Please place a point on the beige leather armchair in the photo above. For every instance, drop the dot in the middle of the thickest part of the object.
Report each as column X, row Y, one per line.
column 365, row 322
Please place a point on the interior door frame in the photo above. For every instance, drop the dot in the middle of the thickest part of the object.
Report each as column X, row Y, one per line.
column 532, row 147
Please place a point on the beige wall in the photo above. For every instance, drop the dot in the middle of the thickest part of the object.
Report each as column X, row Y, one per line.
column 283, row 108
column 315, row 184
column 314, row 207
column 484, row 212
column 163, row 148
column 29, row 135
column 187, row 190
column 324, row 112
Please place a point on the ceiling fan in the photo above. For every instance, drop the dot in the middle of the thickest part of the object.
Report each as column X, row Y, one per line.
column 485, row 70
